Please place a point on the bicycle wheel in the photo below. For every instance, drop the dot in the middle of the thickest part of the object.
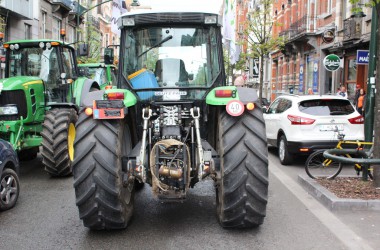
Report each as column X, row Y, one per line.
column 318, row 167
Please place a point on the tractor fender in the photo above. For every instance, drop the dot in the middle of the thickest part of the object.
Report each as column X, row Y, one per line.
column 247, row 95
column 87, row 99
column 87, row 86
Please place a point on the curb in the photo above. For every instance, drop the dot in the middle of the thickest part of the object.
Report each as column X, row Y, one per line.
column 331, row 201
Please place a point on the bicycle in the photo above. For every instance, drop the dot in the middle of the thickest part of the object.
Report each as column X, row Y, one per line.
column 318, row 167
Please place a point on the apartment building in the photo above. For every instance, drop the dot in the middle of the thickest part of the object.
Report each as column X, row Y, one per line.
column 43, row 19
column 313, row 30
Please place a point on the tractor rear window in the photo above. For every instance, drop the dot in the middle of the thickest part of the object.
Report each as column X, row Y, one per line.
column 171, row 58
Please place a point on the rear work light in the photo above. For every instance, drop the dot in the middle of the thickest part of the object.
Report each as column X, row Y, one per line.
column 299, row 120
column 225, row 93
column 115, row 96
column 357, row 120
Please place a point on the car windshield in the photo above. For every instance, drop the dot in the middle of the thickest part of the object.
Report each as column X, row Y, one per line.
column 169, row 59
column 325, row 107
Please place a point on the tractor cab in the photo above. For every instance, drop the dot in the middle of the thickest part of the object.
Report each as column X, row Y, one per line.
column 177, row 60
column 51, row 61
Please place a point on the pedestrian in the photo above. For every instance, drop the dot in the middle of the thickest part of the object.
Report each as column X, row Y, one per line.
column 310, row 91
column 342, row 92
column 360, row 105
column 357, row 94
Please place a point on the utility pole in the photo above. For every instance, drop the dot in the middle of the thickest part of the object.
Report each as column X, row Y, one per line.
column 370, row 97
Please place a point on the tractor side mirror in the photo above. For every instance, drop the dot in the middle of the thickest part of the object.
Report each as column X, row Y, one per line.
column 108, row 55
column 83, row 49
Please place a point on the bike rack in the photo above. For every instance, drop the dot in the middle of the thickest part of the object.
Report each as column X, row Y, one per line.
column 332, row 154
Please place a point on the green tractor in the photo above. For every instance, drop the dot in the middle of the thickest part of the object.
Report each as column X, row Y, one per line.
column 39, row 100
column 103, row 74
column 170, row 123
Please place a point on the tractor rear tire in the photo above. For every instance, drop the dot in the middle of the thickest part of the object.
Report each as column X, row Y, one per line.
column 58, row 135
column 103, row 201
column 242, row 186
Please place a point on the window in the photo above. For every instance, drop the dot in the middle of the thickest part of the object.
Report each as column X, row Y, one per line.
column 28, row 31
column 351, row 76
column 57, row 23
column 44, row 15
column 68, row 63
column 320, row 107
column 107, row 40
column 329, row 6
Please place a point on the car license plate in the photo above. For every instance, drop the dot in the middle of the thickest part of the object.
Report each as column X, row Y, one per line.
column 331, row 127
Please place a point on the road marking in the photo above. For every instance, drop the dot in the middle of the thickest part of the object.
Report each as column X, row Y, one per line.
column 348, row 237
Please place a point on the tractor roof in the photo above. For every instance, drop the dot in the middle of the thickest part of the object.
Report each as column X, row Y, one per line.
column 164, row 17
column 33, row 41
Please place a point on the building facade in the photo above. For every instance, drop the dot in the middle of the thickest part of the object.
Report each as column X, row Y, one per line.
column 43, row 19
column 313, row 30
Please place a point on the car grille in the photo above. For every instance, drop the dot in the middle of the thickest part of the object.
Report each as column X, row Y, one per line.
column 16, row 97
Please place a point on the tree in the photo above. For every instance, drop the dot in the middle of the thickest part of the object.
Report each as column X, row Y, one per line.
column 259, row 37
column 375, row 4
column 92, row 38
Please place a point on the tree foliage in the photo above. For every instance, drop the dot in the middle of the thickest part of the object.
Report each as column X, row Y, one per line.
column 259, row 31
column 92, row 37
column 259, row 37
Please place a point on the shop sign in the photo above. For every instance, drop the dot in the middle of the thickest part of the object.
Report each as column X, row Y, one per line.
column 328, row 36
column 362, row 57
column 331, row 62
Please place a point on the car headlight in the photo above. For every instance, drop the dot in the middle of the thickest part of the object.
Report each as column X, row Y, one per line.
column 9, row 110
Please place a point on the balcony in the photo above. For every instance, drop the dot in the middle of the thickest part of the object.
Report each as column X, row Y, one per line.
column 76, row 12
column 77, row 8
column 62, row 6
column 299, row 28
column 22, row 9
column 352, row 29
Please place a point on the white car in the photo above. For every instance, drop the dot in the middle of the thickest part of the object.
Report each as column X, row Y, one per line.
column 302, row 124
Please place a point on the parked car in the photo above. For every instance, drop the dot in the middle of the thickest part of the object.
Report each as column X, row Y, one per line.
column 103, row 74
column 302, row 124
column 9, row 181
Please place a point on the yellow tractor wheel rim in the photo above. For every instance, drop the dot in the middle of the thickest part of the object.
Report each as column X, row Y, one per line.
column 70, row 141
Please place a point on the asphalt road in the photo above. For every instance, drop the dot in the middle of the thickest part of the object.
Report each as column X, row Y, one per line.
column 46, row 217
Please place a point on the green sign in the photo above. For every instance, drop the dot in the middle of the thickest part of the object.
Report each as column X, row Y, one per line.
column 331, row 62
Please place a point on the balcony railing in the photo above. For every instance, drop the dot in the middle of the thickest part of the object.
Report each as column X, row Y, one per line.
column 301, row 26
column 351, row 29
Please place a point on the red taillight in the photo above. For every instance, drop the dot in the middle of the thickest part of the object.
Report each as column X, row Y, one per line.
column 224, row 93
column 357, row 120
column 299, row 120
column 115, row 96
